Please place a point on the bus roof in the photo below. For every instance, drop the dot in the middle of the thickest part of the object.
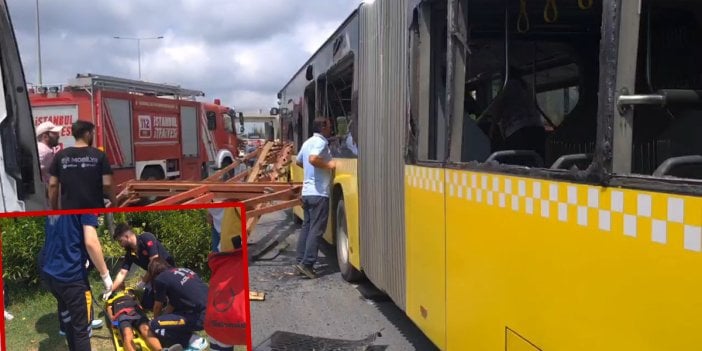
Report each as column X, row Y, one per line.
column 329, row 39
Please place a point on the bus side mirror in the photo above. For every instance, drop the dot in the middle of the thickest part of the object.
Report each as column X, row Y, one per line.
column 241, row 122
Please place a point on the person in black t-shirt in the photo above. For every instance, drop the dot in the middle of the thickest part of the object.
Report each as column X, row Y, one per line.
column 81, row 174
column 139, row 250
column 186, row 295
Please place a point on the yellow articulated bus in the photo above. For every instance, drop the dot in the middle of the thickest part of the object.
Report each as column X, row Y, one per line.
column 518, row 175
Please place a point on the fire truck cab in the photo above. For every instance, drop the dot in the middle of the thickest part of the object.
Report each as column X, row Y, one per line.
column 221, row 121
column 147, row 130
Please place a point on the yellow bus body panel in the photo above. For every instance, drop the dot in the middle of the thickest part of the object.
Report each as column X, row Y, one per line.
column 557, row 266
column 345, row 177
column 426, row 254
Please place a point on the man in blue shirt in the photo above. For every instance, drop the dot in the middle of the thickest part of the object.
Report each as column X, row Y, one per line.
column 316, row 160
column 70, row 241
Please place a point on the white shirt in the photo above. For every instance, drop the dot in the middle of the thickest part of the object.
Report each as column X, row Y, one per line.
column 316, row 180
column 217, row 214
column 46, row 156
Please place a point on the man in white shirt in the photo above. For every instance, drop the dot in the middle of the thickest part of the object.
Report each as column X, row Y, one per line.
column 316, row 160
column 48, row 136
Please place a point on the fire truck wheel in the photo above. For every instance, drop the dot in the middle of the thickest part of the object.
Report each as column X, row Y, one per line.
column 225, row 163
column 152, row 173
column 348, row 272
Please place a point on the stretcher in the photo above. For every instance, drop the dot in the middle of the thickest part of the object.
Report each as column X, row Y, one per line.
column 140, row 343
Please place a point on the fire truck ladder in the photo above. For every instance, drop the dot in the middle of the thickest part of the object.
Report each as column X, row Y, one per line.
column 90, row 81
column 262, row 188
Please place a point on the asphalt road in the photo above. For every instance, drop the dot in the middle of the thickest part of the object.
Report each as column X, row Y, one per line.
column 326, row 307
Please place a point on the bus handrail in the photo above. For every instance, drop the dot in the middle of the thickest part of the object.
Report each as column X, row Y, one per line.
column 498, row 155
column 662, row 97
column 673, row 162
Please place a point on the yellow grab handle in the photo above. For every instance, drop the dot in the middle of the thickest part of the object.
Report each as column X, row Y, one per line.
column 553, row 8
column 523, row 16
column 585, row 4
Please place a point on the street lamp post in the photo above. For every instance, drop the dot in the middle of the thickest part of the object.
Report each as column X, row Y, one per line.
column 138, row 40
column 38, row 44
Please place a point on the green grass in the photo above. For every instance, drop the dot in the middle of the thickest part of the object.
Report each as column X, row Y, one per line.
column 35, row 326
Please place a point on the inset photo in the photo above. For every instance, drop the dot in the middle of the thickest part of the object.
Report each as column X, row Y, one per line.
column 153, row 280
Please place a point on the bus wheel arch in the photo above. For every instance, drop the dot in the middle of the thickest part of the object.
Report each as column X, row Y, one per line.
column 341, row 241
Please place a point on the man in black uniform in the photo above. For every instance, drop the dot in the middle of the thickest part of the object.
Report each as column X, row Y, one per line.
column 81, row 174
column 140, row 250
column 186, row 295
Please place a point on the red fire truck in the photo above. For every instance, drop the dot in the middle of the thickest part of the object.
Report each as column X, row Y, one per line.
column 148, row 130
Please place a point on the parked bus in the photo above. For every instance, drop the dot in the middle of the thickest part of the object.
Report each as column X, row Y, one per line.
column 576, row 225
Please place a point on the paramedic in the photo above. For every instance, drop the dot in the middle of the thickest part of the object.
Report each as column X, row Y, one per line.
column 70, row 241
column 141, row 250
column 316, row 160
column 186, row 295
column 81, row 174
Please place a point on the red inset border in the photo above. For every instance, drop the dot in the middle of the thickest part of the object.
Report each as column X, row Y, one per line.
column 244, row 246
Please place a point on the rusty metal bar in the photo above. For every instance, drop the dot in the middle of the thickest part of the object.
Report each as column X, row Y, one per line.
column 261, row 158
column 218, row 175
column 208, row 197
column 253, row 220
column 257, row 187
column 239, row 177
column 174, row 186
column 256, row 213
column 280, row 195
column 175, row 199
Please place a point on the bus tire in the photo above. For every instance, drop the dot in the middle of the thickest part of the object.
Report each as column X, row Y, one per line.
column 348, row 272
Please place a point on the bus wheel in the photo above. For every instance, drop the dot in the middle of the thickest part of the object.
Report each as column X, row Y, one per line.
column 348, row 272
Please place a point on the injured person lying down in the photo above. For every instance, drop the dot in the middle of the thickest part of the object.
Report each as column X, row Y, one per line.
column 127, row 315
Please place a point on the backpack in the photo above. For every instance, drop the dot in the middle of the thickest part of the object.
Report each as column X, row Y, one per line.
column 226, row 315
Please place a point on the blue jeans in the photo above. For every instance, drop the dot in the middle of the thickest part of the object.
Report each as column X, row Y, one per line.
column 216, row 236
column 314, row 224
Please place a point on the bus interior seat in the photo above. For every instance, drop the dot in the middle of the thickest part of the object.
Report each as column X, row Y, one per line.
column 689, row 166
column 573, row 161
column 526, row 158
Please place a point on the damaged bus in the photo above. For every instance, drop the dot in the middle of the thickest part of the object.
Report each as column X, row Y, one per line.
column 518, row 175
